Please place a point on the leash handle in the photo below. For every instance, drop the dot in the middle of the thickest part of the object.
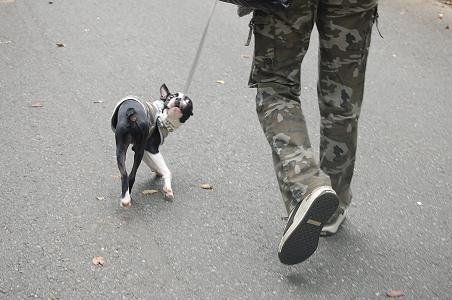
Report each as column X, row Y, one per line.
column 198, row 51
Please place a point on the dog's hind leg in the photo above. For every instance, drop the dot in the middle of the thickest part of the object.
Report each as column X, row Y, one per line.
column 156, row 161
column 136, row 163
column 121, row 150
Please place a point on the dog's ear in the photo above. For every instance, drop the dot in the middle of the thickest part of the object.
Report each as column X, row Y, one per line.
column 164, row 92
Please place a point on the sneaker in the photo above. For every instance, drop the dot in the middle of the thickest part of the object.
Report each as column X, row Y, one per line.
column 302, row 232
column 333, row 224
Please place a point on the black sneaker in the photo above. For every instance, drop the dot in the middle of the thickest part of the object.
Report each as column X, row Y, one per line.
column 302, row 232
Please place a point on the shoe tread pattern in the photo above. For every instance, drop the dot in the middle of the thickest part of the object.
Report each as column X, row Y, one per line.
column 304, row 240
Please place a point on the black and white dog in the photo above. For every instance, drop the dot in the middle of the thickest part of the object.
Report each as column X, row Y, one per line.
column 145, row 125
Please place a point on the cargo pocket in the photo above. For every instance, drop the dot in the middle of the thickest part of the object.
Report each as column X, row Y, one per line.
column 264, row 48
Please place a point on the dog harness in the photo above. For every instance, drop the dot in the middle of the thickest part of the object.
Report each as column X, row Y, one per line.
column 155, row 114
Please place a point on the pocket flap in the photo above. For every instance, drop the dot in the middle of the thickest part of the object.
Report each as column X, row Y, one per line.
column 260, row 18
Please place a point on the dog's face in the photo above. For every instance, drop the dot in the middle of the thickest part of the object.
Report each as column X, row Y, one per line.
column 178, row 107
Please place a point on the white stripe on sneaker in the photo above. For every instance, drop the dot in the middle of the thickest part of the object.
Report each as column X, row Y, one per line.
column 313, row 222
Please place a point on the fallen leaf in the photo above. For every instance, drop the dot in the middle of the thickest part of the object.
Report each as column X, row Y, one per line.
column 149, row 192
column 98, row 261
column 115, row 176
column 98, row 101
column 37, row 104
column 394, row 294
column 419, row 203
column 220, row 81
column 100, row 198
column 60, row 45
column 246, row 56
column 206, row 186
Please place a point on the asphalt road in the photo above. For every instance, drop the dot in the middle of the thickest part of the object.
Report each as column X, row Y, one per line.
column 60, row 191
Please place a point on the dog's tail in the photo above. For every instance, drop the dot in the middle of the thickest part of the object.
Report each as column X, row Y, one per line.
column 131, row 114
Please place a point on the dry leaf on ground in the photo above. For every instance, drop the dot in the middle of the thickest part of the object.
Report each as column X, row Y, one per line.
column 394, row 294
column 220, row 81
column 206, row 186
column 98, row 101
column 246, row 56
column 100, row 198
column 149, row 192
column 60, row 45
column 98, row 261
column 37, row 104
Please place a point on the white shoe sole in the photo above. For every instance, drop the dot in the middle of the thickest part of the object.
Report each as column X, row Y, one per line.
column 333, row 228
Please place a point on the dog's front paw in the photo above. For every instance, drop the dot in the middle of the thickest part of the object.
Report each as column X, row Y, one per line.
column 168, row 194
column 126, row 202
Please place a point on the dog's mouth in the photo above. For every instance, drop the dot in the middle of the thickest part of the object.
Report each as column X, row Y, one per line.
column 183, row 103
column 176, row 100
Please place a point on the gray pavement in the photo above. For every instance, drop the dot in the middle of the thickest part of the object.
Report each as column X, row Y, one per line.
column 220, row 244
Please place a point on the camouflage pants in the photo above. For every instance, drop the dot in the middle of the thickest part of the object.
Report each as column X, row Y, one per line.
column 281, row 41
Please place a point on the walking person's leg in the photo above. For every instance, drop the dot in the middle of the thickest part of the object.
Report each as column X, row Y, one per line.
column 281, row 41
column 344, row 33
